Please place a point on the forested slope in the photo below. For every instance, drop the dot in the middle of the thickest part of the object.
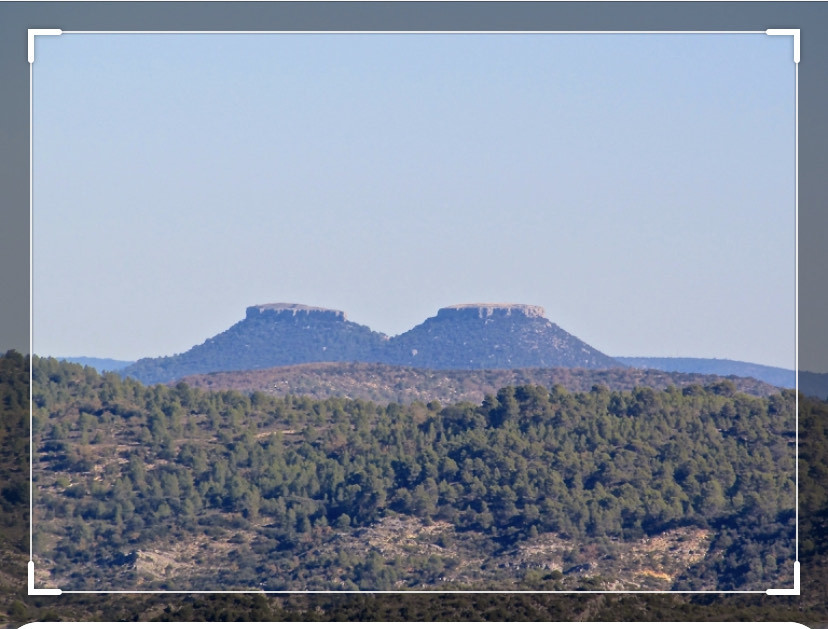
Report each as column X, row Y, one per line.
column 14, row 482
column 180, row 488
column 811, row 608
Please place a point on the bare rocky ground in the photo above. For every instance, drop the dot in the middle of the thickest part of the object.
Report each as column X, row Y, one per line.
column 425, row 555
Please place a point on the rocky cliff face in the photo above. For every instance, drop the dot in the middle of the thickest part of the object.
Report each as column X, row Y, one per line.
column 484, row 311
column 465, row 336
column 294, row 310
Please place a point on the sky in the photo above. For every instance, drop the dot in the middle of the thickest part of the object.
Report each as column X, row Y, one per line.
column 639, row 187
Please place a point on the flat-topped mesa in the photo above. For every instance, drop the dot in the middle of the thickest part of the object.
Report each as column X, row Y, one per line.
column 294, row 310
column 484, row 311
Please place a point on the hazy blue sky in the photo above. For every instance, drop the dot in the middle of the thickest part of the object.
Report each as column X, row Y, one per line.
column 638, row 187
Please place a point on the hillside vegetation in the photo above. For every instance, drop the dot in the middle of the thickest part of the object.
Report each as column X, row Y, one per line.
column 14, row 482
column 403, row 385
column 16, row 608
column 173, row 487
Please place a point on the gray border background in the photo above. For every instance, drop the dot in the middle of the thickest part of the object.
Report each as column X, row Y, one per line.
column 810, row 17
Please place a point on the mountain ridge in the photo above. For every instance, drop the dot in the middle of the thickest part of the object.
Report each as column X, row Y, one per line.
column 269, row 335
column 776, row 376
column 482, row 335
column 492, row 336
column 479, row 335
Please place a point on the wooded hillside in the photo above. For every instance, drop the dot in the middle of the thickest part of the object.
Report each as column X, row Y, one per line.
column 181, row 488
column 16, row 608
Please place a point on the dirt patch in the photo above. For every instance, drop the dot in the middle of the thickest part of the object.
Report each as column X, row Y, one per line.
column 404, row 536
column 197, row 556
column 661, row 557
column 158, row 565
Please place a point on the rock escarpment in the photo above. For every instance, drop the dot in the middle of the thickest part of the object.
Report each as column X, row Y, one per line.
column 488, row 310
column 294, row 310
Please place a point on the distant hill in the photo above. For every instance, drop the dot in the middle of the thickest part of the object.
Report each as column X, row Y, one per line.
column 269, row 335
column 492, row 336
column 467, row 336
column 774, row 375
column 99, row 364
column 472, row 336
column 403, row 385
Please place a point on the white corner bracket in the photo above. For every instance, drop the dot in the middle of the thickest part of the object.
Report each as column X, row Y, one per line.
column 33, row 591
column 793, row 32
column 40, row 31
column 794, row 591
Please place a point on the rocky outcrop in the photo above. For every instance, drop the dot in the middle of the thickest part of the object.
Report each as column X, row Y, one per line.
column 294, row 310
column 489, row 310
